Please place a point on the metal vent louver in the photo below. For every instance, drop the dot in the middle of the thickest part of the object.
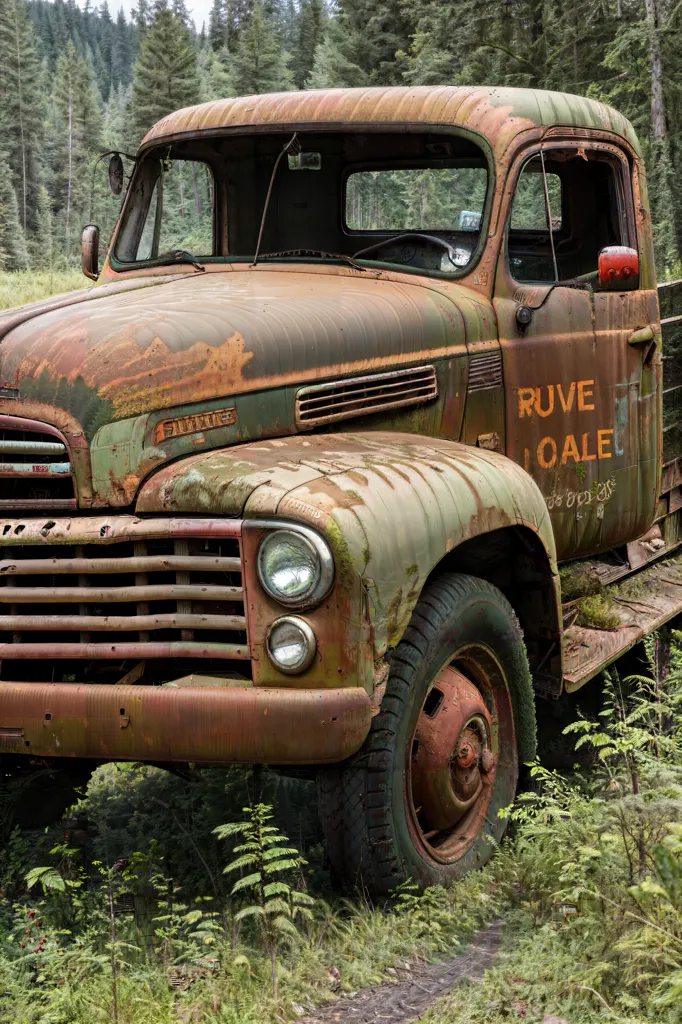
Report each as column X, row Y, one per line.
column 35, row 466
column 485, row 371
column 360, row 396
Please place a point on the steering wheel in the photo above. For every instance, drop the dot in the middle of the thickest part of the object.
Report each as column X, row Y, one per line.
column 407, row 253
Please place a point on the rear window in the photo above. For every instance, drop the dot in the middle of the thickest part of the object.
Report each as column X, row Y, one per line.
column 416, row 199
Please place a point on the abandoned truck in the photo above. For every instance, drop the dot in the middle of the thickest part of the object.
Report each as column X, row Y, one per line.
column 291, row 484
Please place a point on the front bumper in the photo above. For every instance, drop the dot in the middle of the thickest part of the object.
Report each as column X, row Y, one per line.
column 205, row 725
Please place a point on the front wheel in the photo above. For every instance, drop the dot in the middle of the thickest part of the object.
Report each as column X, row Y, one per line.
column 421, row 798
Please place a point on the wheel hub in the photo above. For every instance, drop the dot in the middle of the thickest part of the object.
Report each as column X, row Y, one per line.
column 452, row 760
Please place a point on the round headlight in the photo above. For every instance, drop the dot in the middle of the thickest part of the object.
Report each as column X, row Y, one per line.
column 295, row 568
column 291, row 645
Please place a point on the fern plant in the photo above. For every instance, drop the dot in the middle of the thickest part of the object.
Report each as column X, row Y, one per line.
column 270, row 899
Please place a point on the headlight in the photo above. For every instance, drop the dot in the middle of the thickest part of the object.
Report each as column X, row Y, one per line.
column 291, row 644
column 295, row 568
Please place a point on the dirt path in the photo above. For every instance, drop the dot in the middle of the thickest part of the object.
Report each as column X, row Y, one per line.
column 414, row 990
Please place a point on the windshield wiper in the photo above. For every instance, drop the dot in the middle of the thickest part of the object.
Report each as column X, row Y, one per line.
column 317, row 253
column 177, row 256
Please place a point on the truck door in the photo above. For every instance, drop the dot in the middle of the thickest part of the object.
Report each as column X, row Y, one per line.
column 580, row 390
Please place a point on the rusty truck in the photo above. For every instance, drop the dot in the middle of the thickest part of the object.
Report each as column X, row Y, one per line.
column 292, row 483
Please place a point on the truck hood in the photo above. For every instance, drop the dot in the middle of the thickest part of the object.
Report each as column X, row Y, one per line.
column 116, row 352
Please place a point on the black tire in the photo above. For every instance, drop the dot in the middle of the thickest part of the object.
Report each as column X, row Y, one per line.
column 372, row 830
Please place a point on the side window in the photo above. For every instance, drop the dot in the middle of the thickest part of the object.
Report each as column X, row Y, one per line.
column 180, row 213
column 586, row 213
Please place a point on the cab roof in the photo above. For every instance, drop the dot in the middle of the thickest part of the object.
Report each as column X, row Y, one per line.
column 497, row 113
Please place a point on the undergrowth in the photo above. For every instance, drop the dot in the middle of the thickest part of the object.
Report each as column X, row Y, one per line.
column 22, row 286
column 589, row 884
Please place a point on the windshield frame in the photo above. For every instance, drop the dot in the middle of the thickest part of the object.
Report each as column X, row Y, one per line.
column 166, row 147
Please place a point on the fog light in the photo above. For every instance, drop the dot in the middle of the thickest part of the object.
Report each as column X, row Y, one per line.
column 291, row 644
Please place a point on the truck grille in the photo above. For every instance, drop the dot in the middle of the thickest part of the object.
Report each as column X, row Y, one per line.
column 114, row 599
column 35, row 467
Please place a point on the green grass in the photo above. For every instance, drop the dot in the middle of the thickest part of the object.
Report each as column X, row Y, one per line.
column 24, row 286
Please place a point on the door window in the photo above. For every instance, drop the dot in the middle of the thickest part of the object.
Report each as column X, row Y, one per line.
column 180, row 212
column 581, row 199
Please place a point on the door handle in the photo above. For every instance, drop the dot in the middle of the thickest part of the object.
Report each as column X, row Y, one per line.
column 642, row 337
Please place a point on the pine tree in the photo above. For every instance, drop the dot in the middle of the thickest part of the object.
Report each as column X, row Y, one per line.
column 312, row 19
column 121, row 53
column 216, row 80
column 78, row 128
column 21, row 112
column 13, row 253
column 333, row 64
column 43, row 248
column 217, row 27
column 165, row 74
column 259, row 64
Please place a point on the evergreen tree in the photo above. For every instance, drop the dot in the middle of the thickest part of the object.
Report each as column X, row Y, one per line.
column 311, row 24
column 121, row 53
column 43, row 248
column 21, row 113
column 216, row 80
column 260, row 65
column 217, row 27
column 333, row 64
column 165, row 75
column 77, row 129
column 13, row 254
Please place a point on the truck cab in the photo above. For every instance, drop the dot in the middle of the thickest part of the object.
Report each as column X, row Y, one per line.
column 290, row 484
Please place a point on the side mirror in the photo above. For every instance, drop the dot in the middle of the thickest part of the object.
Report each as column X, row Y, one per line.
column 618, row 268
column 90, row 251
column 116, row 174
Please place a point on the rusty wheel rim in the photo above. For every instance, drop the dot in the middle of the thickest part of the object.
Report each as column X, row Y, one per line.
column 453, row 758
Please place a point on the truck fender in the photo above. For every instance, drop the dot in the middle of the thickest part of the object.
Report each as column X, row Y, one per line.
column 397, row 509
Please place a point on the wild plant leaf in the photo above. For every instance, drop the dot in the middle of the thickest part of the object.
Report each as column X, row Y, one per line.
column 247, row 882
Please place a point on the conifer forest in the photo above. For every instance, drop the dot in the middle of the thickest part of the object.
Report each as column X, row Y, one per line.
column 204, row 895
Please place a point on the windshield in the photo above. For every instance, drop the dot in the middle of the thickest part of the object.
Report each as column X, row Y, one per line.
column 417, row 200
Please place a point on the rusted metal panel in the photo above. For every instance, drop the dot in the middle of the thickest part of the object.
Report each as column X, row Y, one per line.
column 496, row 113
column 434, row 493
column 199, row 724
column 588, row 651
column 211, row 338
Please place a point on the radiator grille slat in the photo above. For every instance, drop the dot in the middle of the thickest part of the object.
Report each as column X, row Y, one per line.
column 35, row 466
column 320, row 404
column 80, row 610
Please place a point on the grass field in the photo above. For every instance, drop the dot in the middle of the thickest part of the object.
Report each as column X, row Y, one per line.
column 24, row 286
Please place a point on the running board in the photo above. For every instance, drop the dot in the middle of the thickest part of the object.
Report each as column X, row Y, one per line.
column 657, row 598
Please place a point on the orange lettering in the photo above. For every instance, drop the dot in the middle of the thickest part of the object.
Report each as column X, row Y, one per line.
column 543, row 462
column 604, row 438
column 570, row 449
column 526, row 459
column 526, row 401
column 550, row 401
column 583, row 395
column 566, row 403
column 585, row 457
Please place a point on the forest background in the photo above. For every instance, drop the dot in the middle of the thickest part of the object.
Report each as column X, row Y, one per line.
column 76, row 82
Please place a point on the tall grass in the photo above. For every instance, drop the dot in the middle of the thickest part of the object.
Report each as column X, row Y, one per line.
column 20, row 287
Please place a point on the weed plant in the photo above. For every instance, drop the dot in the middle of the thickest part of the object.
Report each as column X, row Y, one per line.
column 22, row 286
column 589, row 884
